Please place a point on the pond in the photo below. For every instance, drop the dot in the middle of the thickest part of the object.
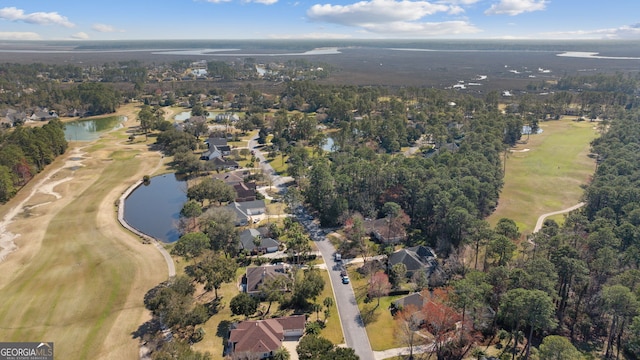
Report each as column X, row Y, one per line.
column 184, row 115
column 526, row 130
column 328, row 145
column 154, row 209
column 88, row 130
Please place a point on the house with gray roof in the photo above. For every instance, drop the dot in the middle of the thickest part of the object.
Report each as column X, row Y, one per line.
column 417, row 258
column 247, row 211
column 252, row 241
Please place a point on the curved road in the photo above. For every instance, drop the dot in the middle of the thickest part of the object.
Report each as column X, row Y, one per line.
column 353, row 329
column 544, row 216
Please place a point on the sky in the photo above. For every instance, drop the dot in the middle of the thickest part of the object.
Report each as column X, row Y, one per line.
column 318, row 19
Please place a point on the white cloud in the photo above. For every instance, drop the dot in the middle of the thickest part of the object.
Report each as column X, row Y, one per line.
column 217, row 1
column 104, row 28
column 80, row 36
column 39, row 18
column 460, row 2
column 405, row 28
column 516, row 7
column 263, row 2
column 393, row 17
column 622, row 32
column 19, row 36
column 374, row 12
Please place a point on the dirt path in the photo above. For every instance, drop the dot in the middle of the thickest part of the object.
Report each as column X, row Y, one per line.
column 544, row 216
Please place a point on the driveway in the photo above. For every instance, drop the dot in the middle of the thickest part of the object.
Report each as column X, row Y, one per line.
column 291, row 345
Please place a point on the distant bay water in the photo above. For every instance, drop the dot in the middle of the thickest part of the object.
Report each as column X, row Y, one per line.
column 611, row 49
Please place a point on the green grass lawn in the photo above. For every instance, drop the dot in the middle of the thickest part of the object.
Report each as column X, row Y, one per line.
column 380, row 324
column 333, row 328
column 548, row 176
column 279, row 164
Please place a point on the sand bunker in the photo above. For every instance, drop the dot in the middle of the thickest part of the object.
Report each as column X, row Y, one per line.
column 522, row 150
column 44, row 186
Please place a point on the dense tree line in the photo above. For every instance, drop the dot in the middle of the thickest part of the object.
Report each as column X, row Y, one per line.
column 38, row 85
column 580, row 280
column 456, row 182
column 24, row 152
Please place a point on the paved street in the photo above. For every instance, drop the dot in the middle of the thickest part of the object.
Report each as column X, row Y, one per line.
column 354, row 332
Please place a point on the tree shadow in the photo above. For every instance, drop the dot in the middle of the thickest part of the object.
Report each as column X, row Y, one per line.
column 368, row 314
column 223, row 329
column 147, row 329
column 223, row 332
column 214, row 306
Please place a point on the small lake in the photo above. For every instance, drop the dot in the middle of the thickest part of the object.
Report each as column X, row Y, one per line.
column 88, row 130
column 154, row 209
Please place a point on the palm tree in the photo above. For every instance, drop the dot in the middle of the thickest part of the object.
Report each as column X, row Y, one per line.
column 281, row 354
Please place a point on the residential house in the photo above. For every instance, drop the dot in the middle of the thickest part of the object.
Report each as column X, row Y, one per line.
column 245, row 191
column 381, row 230
column 417, row 258
column 248, row 211
column 75, row 113
column 416, row 301
column 43, row 114
column 220, row 144
column 12, row 117
column 261, row 338
column 258, row 275
column 210, row 154
column 219, row 164
column 253, row 241
column 231, row 178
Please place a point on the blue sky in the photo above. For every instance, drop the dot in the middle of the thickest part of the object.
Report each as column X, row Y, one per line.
column 318, row 19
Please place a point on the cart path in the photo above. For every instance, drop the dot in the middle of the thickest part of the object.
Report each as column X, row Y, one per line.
column 544, row 216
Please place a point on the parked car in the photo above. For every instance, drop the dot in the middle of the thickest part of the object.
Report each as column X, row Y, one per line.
column 343, row 272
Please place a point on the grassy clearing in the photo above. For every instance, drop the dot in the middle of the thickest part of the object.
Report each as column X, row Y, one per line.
column 547, row 177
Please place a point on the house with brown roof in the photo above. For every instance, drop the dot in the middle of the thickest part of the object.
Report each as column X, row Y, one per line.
column 385, row 232
column 245, row 191
column 258, row 275
column 259, row 339
column 231, row 178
